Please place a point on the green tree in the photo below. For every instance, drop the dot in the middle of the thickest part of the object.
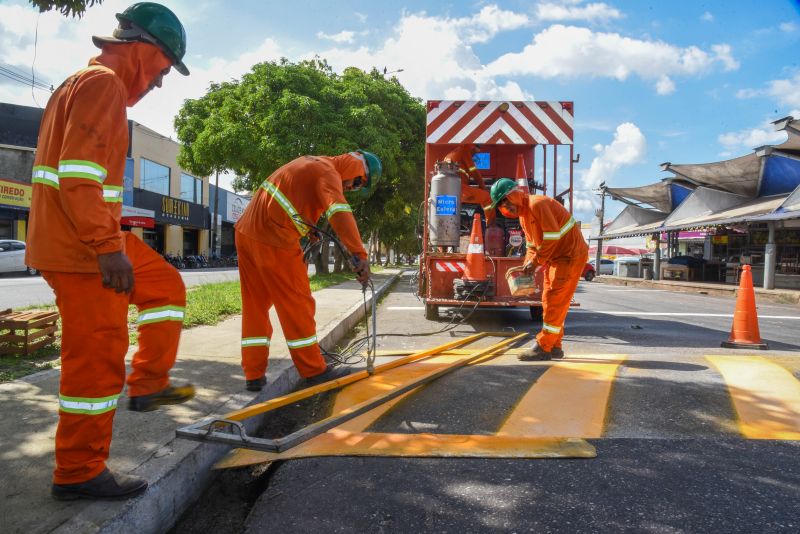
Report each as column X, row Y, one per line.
column 282, row 110
column 68, row 8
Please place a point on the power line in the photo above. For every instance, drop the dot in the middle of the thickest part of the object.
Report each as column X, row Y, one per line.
column 15, row 76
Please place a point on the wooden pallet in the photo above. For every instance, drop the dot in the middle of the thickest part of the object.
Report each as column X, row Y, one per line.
column 23, row 332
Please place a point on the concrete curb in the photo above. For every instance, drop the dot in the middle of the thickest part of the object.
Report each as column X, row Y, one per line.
column 180, row 470
column 776, row 296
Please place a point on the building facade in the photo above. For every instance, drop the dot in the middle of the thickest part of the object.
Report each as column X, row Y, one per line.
column 231, row 207
column 163, row 204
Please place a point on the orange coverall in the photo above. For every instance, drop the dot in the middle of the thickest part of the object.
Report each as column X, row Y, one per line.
column 271, row 267
column 554, row 240
column 462, row 156
column 75, row 213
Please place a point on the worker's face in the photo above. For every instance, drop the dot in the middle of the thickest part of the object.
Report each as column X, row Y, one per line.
column 355, row 184
column 157, row 81
column 508, row 209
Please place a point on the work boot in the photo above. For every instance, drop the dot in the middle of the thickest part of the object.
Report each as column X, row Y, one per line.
column 535, row 354
column 105, row 486
column 256, row 384
column 170, row 395
column 330, row 373
column 557, row 353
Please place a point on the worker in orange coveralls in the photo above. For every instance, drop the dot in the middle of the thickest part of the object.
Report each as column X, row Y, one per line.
column 94, row 268
column 462, row 156
column 271, row 267
column 554, row 241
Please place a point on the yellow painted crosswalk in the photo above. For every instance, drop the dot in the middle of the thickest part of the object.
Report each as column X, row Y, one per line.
column 567, row 403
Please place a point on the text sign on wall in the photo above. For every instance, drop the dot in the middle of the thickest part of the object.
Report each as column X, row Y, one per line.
column 446, row 205
column 15, row 194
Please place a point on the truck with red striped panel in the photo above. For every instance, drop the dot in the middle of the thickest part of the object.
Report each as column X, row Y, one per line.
column 504, row 131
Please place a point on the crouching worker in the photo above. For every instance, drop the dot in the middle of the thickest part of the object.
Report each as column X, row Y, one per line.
column 554, row 240
column 271, row 267
column 94, row 268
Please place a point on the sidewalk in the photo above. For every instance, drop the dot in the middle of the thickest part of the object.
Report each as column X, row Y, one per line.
column 145, row 443
column 778, row 296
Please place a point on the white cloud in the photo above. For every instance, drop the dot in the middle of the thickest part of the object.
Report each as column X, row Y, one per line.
column 570, row 51
column 627, row 148
column 789, row 27
column 785, row 91
column 665, row 86
column 341, row 37
column 750, row 138
column 707, row 17
column 589, row 12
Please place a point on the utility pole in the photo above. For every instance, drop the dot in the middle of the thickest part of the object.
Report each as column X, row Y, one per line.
column 214, row 235
column 600, row 216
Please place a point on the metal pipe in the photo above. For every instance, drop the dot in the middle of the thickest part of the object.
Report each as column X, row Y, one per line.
column 571, row 165
column 770, row 258
column 544, row 169
column 555, row 170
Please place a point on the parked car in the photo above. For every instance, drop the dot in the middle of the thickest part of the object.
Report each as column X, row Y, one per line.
column 588, row 273
column 12, row 257
column 606, row 266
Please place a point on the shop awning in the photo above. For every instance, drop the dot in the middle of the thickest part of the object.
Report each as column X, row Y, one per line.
column 739, row 175
column 663, row 196
column 633, row 221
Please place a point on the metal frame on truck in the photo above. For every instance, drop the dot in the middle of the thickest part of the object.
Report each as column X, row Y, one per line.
column 504, row 130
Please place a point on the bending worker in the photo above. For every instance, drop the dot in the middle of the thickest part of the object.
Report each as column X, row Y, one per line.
column 554, row 241
column 271, row 267
column 462, row 156
column 94, row 268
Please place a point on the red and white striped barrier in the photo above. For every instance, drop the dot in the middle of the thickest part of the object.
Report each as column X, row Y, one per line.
column 450, row 266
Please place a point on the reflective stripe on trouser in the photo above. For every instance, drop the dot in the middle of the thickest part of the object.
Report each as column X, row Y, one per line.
column 94, row 341
column 272, row 276
column 476, row 195
column 560, row 281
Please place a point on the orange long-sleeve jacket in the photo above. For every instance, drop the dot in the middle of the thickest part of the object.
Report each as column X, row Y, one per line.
column 462, row 156
column 305, row 188
column 80, row 159
column 551, row 232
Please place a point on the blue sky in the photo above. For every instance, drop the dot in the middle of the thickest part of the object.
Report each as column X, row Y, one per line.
column 678, row 81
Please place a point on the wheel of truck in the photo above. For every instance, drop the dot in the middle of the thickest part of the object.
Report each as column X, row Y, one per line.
column 431, row 312
column 537, row 314
column 589, row 276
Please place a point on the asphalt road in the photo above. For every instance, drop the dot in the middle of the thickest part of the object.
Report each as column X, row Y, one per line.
column 671, row 456
column 21, row 291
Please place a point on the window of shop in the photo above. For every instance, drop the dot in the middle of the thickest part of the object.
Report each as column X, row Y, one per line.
column 190, row 243
column 155, row 177
column 6, row 228
column 154, row 238
column 191, row 188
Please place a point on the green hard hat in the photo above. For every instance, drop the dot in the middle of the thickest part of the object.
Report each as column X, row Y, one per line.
column 374, row 171
column 500, row 189
column 153, row 23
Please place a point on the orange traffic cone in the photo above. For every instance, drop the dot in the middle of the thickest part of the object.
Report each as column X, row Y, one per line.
column 522, row 174
column 476, row 264
column 744, row 332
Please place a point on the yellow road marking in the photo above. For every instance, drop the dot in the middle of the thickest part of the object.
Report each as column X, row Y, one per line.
column 569, row 400
column 765, row 395
column 338, row 442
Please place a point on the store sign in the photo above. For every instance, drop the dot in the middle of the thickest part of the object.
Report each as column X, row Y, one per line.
column 172, row 210
column 137, row 217
column 236, row 206
column 719, row 239
column 15, row 194
column 515, row 238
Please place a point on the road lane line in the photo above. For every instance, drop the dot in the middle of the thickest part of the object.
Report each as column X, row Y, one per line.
column 569, row 400
column 765, row 395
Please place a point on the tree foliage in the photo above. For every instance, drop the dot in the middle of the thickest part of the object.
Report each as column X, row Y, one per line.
column 282, row 110
column 68, row 8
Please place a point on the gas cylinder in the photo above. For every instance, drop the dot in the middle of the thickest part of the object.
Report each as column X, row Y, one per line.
column 495, row 241
column 444, row 206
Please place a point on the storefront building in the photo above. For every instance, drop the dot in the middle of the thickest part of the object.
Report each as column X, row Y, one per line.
column 19, row 129
column 231, row 208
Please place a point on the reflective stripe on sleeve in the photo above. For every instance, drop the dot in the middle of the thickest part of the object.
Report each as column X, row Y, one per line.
column 472, row 169
column 551, row 236
column 336, row 208
column 112, row 193
column 162, row 313
column 88, row 406
column 287, row 206
column 78, row 168
column 551, row 328
column 45, row 175
column 255, row 342
column 300, row 343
